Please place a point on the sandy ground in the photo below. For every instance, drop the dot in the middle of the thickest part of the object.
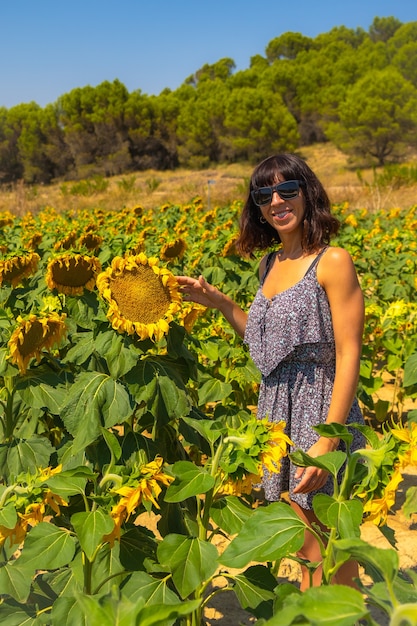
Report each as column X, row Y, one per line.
column 225, row 610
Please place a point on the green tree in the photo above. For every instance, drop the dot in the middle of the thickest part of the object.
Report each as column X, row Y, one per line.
column 287, row 46
column 383, row 28
column 378, row 117
column 257, row 123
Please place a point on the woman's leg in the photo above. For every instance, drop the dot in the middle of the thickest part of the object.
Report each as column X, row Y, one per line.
column 310, row 551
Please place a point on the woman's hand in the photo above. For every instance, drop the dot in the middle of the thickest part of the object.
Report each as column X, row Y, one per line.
column 313, row 478
column 200, row 291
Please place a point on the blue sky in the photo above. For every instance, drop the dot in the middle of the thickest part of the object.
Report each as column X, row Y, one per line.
column 49, row 47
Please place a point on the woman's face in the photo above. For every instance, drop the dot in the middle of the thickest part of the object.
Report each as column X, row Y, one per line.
column 284, row 215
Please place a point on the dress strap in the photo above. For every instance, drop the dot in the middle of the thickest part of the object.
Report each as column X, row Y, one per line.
column 316, row 260
column 268, row 265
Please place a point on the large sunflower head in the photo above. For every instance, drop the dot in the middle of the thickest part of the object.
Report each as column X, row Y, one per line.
column 142, row 297
column 14, row 269
column 33, row 335
column 72, row 273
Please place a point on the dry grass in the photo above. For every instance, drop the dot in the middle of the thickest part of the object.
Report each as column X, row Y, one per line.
column 227, row 183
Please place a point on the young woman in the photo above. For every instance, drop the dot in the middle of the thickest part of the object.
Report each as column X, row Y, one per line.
column 304, row 327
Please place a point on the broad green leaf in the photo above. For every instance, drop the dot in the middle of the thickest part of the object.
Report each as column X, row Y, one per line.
column 112, row 444
column 66, row 611
column 25, row 455
column 410, row 371
column 136, row 545
column 15, row 580
column 8, row 516
column 67, row 483
column 94, row 400
column 47, row 547
column 230, row 514
column 346, row 517
column 42, row 389
column 379, row 563
column 282, row 534
column 190, row 560
column 157, row 385
column 118, row 352
column 333, row 605
column 335, row 430
column 160, row 615
column 214, row 390
column 209, row 429
column 410, row 504
column 190, row 480
column 90, row 528
column 256, row 586
column 82, row 350
column 84, row 309
column 331, row 462
column 321, row 506
column 12, row 614
column 152, row 590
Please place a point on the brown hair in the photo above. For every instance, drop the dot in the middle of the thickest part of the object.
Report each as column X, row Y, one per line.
column 319, row 224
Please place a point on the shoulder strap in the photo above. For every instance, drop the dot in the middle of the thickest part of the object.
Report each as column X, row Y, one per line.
column 267, row 266
column 316, row 260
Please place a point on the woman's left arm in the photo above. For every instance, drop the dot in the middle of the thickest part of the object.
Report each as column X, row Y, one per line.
column 337, row 275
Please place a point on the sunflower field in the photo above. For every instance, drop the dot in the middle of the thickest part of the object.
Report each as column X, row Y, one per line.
column 121, row 404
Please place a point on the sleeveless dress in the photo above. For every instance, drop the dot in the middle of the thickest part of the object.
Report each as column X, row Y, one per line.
column 291, row 341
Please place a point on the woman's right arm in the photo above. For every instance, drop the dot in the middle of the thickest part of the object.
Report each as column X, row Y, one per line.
column 200, row 291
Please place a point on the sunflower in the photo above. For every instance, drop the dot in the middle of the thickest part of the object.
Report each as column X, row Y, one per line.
column 90, row 240
column 16, row 268
column 230, row 247
column 276, row 446
column 174, row 249
column 143, row 297
column 72, row 273
column 67, row 242
column 33, row 335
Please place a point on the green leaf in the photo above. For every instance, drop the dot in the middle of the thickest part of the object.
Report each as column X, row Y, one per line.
column 379, row 563
column 13, row 614
column 214, row 390
column 190, row 480
column 47, row 547
column 209, row 429
column 157, row 385
column 410, row 504
column 90, row 528
column 82, row 350
column 112, row 444
column 15, row 581
column 94, row 400
column 282, row 533
column 190, row 560
column 136, row 545
column 410, row 371
column 8, row 516
column 333, row 605
column 256, row 586
column 69, row 483
column 42, row 389
column 153, row 590
column 230, row 514
column 118, row 352
column 25, row 455
column 346, row 517
column 331, row 462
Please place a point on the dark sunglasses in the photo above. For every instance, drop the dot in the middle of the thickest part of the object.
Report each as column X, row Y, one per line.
column 286, row 190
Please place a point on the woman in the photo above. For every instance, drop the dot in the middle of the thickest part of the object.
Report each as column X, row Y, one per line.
column 304, row 328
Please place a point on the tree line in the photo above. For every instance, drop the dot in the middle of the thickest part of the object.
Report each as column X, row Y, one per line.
column 353, row 87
